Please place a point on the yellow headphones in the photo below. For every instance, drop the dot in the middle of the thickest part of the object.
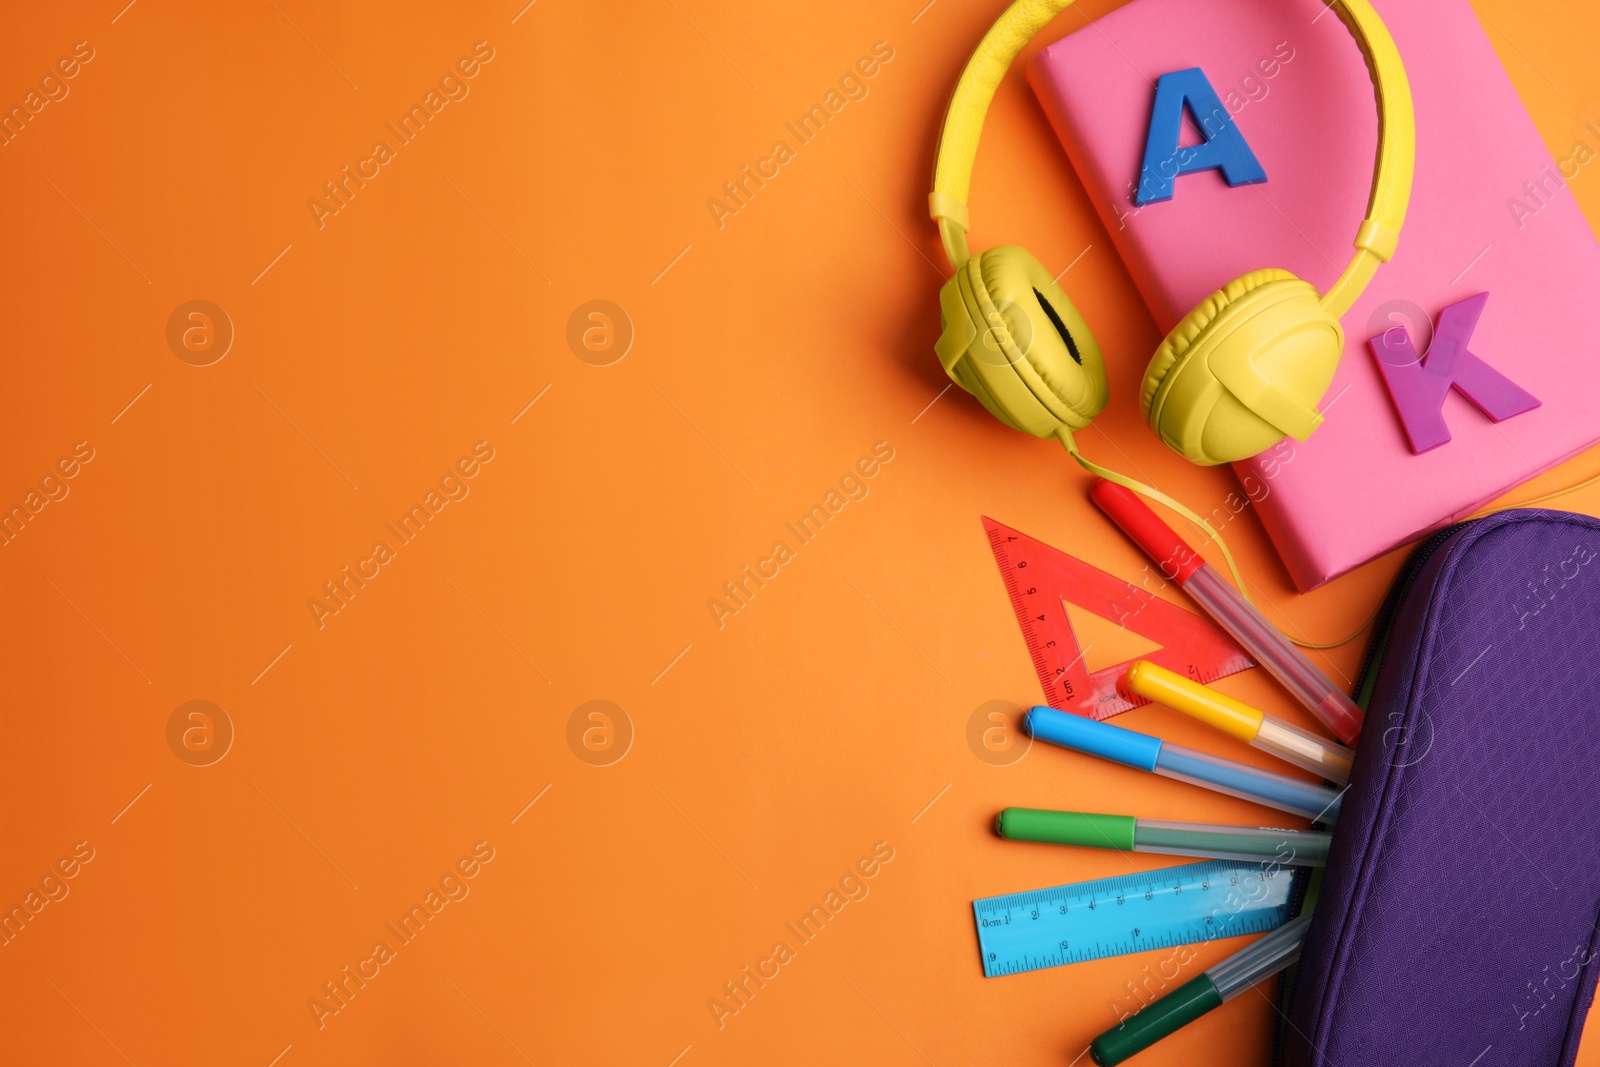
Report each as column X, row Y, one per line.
column 1238, row 373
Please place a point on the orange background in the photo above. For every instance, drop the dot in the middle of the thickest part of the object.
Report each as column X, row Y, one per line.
column 770, row 354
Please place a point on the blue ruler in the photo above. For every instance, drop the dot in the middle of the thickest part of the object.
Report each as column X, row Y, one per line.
column 1130, row 913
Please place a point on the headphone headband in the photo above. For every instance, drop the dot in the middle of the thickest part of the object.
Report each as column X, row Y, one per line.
column 1391, row 178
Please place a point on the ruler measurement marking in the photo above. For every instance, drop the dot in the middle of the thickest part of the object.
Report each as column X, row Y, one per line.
column 1188, row 904
column 1054, row 688
column 1030, row 639
column 1058, row 580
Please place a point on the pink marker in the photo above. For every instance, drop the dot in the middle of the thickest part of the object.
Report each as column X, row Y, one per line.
column 1232, row 612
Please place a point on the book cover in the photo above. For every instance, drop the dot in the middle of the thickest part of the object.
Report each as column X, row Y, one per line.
column 1490, row 212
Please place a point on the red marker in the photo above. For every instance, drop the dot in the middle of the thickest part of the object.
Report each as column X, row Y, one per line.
column 1232, row 612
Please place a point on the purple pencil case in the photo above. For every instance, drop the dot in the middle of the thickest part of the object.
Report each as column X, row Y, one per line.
column 1456, row 921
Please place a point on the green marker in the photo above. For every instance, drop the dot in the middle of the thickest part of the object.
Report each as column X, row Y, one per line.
column 1264, row 958
column 1295, row 848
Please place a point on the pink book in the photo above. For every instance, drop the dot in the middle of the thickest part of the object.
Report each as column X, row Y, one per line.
column 1489, row 213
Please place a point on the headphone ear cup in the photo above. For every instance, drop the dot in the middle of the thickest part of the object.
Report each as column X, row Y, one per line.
column 1014, row 340
column 1243, row 370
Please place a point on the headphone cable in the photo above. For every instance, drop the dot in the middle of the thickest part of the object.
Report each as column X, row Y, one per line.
column 1156, row 495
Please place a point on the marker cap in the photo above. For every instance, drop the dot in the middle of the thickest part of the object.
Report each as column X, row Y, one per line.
column 1150, row 1024
column 1067, row 828
column 1217, row 710
column 1159, row 541
column 1096, row 738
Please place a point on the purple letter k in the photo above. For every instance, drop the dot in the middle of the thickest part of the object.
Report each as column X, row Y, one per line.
column 1418, row 389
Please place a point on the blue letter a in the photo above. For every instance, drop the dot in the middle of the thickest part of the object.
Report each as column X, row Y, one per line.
column 1224, row 147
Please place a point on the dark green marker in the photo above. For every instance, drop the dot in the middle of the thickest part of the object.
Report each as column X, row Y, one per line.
column 1273, row 953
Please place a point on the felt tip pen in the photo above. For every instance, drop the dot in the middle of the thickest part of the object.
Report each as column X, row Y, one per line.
column 1264, row 958
column 1293, row 848
column 1289, row 743
column 1129, row 747
column 1232, row 612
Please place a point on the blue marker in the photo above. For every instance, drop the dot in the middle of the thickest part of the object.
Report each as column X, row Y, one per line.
column 1185, row 764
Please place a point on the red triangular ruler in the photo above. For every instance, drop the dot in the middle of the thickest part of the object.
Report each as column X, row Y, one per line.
column 1042, row 580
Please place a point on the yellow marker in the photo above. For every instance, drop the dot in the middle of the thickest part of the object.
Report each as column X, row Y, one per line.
column 1269, row 734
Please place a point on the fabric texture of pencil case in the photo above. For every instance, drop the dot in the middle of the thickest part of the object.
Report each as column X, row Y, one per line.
column 1456, row 921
